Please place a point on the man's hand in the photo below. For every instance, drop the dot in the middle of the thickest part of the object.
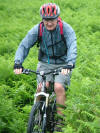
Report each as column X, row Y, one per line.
column 69, row 67
column 18, row 68
column 65, row 71
column 18, row 71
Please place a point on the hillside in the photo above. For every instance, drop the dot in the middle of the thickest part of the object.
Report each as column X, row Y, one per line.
column 17, row 91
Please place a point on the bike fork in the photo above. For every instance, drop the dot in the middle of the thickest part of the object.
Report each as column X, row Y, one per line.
column 44, row 121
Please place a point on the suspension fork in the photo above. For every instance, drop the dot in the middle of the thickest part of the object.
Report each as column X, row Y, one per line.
column 42, row 94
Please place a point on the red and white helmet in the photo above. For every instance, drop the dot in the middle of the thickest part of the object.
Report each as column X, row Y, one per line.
column 49, row 11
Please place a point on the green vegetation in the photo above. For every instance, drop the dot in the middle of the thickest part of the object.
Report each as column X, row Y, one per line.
column 17, row 91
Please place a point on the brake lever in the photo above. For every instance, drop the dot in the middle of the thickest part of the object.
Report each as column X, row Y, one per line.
column 26, row 71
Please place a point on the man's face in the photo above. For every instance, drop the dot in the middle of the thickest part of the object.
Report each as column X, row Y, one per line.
column 50, row 24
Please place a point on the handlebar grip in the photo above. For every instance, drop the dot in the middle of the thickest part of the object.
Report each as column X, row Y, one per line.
column 68, row 67
column 25, row 71
column 28, row 71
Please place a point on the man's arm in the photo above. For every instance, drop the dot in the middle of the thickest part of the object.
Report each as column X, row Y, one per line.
column 70, row 37
column 71, row 43
column 24, row 47
column 26, row 44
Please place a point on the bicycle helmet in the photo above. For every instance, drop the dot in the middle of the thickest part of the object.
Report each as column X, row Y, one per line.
column 49, row 11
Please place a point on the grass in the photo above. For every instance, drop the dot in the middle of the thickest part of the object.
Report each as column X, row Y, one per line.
column 16, row 92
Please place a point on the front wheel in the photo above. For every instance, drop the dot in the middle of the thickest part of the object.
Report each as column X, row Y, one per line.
column 35, row 123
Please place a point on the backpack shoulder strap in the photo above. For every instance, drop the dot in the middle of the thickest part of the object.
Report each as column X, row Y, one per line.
column 40, row 30
column 60, row 25
column 61, row 29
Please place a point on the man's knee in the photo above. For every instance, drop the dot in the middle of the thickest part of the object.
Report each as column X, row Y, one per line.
column 59, row 89
column 47, row 85
column 39, row 86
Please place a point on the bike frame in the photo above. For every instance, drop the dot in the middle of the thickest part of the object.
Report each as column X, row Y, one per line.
column 43, row 94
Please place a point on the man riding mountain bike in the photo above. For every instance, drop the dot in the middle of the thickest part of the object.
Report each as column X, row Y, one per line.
column 57, row 49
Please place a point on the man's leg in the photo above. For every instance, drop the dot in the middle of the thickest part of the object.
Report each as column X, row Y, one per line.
column 39, row 86
column 60, row 104
column 61, row 85
column 60, row 96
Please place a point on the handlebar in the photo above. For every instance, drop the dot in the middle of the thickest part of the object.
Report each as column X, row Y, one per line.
column 54, row 72
column 69, row 67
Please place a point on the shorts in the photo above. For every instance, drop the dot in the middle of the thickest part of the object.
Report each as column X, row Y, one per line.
column 62, row 79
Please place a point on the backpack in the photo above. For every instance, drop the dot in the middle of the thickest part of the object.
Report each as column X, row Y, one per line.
column 40, row 30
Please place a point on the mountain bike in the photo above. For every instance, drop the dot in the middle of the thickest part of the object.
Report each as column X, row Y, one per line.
column 42, row 116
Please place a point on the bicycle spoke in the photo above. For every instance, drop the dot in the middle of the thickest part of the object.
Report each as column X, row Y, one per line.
column 36, row 119
column 37, row 122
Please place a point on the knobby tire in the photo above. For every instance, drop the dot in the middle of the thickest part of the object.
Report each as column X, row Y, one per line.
column 35, row 123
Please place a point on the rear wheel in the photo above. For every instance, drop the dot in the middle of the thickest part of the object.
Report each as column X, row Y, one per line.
column 35, row 123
